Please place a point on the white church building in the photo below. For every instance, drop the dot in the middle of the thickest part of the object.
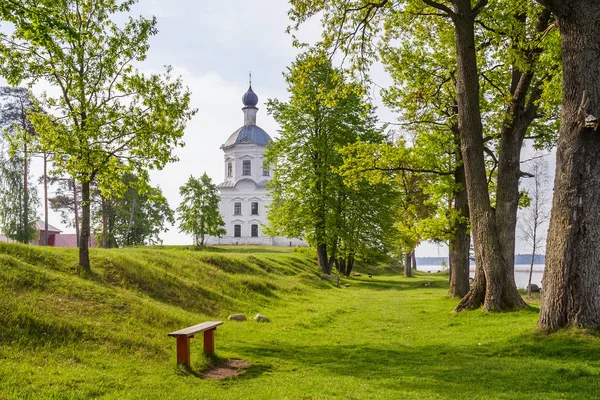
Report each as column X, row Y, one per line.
column 244, row 194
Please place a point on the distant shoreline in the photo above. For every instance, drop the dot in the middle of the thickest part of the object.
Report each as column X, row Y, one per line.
column 520, row 259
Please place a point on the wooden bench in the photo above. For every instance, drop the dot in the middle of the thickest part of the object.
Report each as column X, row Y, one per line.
column 184, row 335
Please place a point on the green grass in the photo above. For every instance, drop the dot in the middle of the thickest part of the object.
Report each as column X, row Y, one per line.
column 68, row 335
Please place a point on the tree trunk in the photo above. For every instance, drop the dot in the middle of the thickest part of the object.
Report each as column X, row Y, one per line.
column 520, row 114
column 413, row 259
column 407, row 266
column 104, row 228
column 84, row 253
column 25, row 219
column 570, row 295
column 45, row 243
column 76, row 210
column 461, row 242
column 531, row 270
column 499, row 289
column 341, row 266
column 349, row 265
column 130, row 222
column 323, row 260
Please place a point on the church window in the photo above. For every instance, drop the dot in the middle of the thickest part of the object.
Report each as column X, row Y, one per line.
column 229, row 170
column 254, row 208
column 265, row 169
column 237, row 231
column 237, row 208
column 246, row 168
column 254, row 230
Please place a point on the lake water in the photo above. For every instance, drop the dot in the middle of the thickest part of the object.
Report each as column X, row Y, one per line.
column 521, row 273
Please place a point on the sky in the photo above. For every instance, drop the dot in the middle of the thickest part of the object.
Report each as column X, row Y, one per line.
column 214, row 46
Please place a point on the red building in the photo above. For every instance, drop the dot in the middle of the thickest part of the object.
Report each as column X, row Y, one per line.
column 55, row 237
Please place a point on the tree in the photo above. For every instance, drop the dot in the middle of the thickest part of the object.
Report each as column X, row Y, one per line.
column 537, row 214
column 428, row 207
column 199, row 210
column 66, row 201
column 18, row 204
column 108, row 119
column 365, row 233
column 19, row 197
column 570, row 294
column 134, row 218
column 355, row 28
column 309, row 198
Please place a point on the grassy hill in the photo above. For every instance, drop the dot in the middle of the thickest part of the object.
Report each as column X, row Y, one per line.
column 68, row 335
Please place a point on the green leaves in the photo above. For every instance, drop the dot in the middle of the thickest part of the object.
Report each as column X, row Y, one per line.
column 199, row 210
column 325, row 112
column 108, row 119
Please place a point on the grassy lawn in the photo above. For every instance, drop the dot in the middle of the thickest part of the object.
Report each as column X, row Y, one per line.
column 64, row 335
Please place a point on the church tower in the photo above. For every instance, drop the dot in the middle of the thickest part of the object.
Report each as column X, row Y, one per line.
column 244, row 194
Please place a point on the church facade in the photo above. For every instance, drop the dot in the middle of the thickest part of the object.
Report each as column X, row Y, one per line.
column 244, row 194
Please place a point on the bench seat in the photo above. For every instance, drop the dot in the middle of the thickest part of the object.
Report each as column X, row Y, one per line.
column 192, row 330
column 184, row 335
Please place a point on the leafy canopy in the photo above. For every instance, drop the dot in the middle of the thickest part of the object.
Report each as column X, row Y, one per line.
column 199, row 210
column 107, row 118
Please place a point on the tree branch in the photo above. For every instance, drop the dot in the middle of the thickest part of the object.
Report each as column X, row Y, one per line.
column 447, row 10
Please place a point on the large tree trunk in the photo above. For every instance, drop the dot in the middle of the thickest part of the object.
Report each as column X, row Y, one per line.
column 570, row 295
column 461, row 242
column 84, row 240
column 349, row 265
column 323, row 260
column 520, row 114
column 498, row 291
column 407, row 264
column 413, row 257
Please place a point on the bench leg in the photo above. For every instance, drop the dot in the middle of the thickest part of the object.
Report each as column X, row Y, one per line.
column 183, row 350
column 209, row 342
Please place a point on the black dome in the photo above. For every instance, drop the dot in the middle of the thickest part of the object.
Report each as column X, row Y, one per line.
column 250, row 99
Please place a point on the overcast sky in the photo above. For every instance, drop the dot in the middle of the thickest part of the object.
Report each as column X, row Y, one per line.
column 213, row 46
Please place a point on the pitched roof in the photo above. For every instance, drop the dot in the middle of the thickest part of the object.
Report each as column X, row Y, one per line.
column 68, row 240
column 40, row 226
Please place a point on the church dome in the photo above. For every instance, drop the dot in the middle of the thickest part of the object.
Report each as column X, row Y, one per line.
column 252, row 133
column 250, row 99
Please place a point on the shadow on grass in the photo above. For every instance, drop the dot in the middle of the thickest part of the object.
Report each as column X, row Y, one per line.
column 199, row 371
column 228, row 249
column 418, row 282
column 506, row 370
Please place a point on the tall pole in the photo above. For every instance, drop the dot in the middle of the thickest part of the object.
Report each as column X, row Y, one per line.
column 45, row 242
column 25, row 216
column 76, row 209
